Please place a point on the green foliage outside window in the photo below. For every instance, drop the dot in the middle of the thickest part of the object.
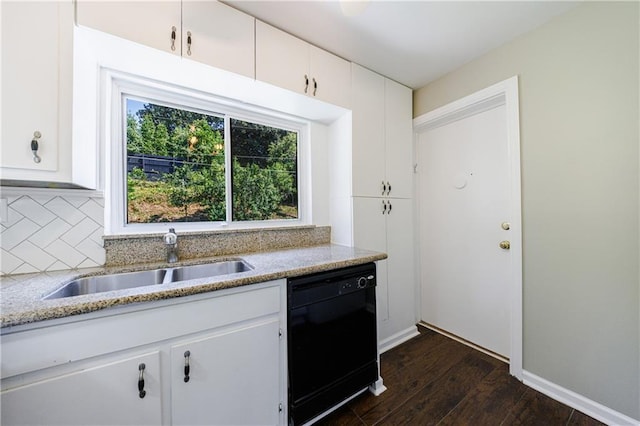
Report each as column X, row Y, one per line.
column 176, row 162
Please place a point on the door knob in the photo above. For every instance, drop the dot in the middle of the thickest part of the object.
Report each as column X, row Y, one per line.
column 506, row 245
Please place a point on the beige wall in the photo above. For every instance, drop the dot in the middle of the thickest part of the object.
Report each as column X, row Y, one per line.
column 579, row 118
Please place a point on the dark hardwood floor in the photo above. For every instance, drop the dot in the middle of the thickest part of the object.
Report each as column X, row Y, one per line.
column 434, row 380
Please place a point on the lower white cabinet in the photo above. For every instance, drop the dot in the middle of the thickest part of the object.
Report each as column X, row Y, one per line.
column 128, row 368
column 386, row 224
column 245, row 360
column 104, row 394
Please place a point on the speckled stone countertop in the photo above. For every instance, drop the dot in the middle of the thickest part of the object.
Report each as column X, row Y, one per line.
column 21, row 295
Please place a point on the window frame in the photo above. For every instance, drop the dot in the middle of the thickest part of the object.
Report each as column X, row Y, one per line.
column 120, row 86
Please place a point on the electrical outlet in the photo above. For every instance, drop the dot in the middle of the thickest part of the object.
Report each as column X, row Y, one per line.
column 4, row 210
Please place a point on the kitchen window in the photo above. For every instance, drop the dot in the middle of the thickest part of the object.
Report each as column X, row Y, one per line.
column 197, row 164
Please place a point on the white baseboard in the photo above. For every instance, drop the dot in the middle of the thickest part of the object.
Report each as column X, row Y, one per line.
column 577, row 401
column 398, row 338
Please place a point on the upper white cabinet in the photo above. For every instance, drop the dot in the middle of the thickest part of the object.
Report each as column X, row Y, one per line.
column 150, row 23
column 382, row 136
column 37, row 72
column 205, row 31
column 293, row 64
column 221, row 36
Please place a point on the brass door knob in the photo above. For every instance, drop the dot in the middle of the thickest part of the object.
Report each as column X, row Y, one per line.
column 505, row 245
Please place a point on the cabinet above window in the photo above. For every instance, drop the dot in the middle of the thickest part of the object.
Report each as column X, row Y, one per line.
column 288, row 62
column 205, row 31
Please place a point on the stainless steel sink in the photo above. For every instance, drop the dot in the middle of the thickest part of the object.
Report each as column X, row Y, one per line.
column 102, row 283
column 193, row 272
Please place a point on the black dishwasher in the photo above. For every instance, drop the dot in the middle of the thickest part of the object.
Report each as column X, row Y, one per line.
column 332, row 338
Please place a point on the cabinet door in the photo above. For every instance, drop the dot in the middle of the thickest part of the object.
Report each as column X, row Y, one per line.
column 105, row 394
column 332, row 77
column 234, row 377
column 401, row 282
column 369, row 232
column 220, row 36
column 399, row 139
column 281, row 59
column 145, row 22
column 30, row 75
column 368, row 132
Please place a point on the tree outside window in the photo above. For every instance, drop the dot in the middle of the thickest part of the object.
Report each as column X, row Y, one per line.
column 176, row 167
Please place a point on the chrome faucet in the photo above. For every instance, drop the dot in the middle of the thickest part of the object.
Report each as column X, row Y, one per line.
column 171, row 241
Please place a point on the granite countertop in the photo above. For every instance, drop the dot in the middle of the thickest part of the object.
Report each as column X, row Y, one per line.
column 21, row 295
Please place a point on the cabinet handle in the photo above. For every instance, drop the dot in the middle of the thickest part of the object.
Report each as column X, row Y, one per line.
column 34, row 146
column 306, row 83
column 141, row 390
column 384, row 187
column 173, row 38
column 384, row 207
column 388, row 188
column 189, row 43
column 390, row 207
column 315, row 86
column 187, row 367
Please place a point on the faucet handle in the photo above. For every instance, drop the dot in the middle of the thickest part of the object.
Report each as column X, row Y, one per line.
column 171, row 237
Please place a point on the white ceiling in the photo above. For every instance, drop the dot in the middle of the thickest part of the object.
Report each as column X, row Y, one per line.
column 412, row 42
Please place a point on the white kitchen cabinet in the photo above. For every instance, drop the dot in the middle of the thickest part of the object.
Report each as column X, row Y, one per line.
column 245, row 360
column 293, row 64
column 104, row 394
column 205, row 31
column 60, row 373
column 37, row 78
column 386, row 225
column 382, row 136
column 382, row 190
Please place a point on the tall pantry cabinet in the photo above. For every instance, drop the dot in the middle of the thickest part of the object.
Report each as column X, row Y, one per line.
column 382, row 188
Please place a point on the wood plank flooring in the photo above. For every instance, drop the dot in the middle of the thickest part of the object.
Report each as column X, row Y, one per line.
column 434, row 380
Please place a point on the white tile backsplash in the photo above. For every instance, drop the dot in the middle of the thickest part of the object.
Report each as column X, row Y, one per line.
column 9, row 262
column 80, row 231
column 64, row 210
column 33, row 210
column 33, row 255
column 51, row 232
column 18, row 233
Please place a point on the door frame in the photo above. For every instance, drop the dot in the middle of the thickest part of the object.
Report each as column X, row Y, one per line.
column 502, row 93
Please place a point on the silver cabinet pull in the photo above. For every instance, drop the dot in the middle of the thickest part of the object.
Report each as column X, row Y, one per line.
column 384, row 207
column 141, row 391
column 189, row 43
column 187, row 366
column 306, row 83
column 388, row 188
column 315, row 86
column 390, row 207
column 384, row 187
column 173, row 38
column 35, row 146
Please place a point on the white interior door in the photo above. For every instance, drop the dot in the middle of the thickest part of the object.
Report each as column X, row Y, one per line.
column 464, row 204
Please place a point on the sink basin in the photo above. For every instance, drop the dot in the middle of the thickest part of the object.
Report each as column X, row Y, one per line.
column 193, row 272
column 101, row 283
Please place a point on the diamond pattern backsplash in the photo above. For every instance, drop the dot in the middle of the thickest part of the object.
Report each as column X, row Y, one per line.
column 50, row 233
